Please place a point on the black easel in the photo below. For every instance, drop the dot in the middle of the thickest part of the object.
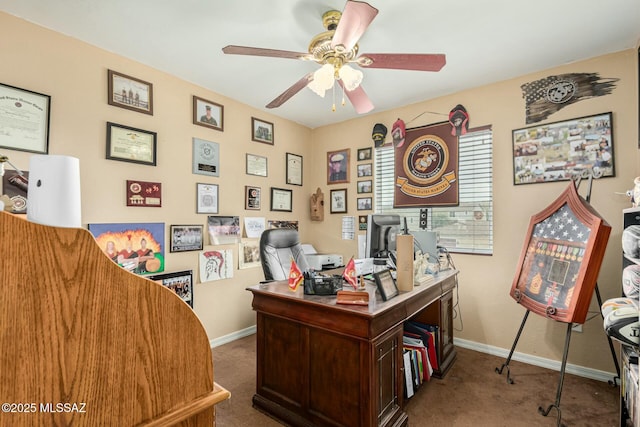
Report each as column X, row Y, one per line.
column 614, row 382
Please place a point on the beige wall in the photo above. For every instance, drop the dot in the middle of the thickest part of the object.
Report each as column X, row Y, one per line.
column 75, row 75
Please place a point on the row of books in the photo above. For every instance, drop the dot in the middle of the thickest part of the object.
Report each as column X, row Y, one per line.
column 419, row 354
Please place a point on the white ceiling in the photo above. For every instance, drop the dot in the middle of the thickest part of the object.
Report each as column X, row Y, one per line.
column 485, row 41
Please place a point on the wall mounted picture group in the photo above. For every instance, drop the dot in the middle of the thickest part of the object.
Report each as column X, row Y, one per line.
column 136, row 247
column 557, row 151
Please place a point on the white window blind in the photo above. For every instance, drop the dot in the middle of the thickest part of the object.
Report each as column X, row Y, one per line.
column 466, row 228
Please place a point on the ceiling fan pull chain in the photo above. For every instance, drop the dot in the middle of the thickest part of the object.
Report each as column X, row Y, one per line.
column 343, row 101
column 333, row 91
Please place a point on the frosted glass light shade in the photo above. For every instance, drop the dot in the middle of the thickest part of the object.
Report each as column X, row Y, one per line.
column 351, row 78
column 322, row 80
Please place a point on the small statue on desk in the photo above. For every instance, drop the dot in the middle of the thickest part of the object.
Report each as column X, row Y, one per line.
column 423, row 270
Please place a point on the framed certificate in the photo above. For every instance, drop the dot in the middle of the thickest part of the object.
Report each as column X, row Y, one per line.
column 207, row 198
column 129, row 144
column 294, row 169
column 281, row 199
column 25, row 125
column 206, row 157
column 256, row 165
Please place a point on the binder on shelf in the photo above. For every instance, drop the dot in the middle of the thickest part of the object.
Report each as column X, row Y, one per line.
column 408, row 378
column 428, row 335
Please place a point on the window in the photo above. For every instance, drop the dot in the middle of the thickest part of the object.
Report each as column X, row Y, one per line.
column 467, row 228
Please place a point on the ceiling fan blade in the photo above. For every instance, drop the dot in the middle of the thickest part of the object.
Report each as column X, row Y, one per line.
column 359, row 99
column 355, row 20
column 295, row 88
column 403, row 61
column 257, row 51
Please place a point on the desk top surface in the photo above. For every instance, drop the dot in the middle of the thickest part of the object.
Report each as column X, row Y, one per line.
column 281, row 290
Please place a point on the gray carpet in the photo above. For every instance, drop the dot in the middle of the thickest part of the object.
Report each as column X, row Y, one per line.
column 471, row 394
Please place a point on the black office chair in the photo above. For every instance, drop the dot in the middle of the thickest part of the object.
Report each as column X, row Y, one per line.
column 277, row 246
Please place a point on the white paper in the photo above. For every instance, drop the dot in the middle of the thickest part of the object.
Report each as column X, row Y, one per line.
column 348, row 227
column 254, row 226
column 216, row 265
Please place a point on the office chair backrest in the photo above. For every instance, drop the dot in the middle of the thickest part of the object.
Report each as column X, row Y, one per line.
column 277, row 246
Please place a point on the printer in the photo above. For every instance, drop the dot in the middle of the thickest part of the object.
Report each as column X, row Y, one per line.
column 318, row 261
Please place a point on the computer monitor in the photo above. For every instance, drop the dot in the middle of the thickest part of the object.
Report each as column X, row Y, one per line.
column 381, row 234
column 426, row 242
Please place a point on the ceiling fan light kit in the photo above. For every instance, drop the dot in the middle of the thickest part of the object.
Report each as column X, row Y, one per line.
column 335, row 49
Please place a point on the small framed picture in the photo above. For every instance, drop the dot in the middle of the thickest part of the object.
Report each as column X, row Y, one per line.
column 365, row 169
column 339, row 201
column 251, row 198
column 294, row 169
column 249, row 254
column 180, row 282
column 207, row 198
column 365, row 186
column 144, row 194
column 208, row 114
column 130, row 93
column 185, row 238
column 338, row 166
column 386, row 284
column 362, row 222
column 364, row 154
column 364, row 203
column 281, row 199
column 256, row 165
column 129, row 144
column 261, row 131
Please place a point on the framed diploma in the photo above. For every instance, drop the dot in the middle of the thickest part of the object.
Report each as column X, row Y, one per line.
column 25, row 120
column 281, row 199
column 252, row 198
column 256, row 165
column 206, row 157
column 294, row 169
column 129, row 144
column 207, row 198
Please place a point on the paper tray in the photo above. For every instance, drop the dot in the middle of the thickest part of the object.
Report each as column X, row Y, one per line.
column 353, row 298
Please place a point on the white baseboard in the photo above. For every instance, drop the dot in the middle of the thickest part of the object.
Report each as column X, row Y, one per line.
column 555, row 365
column 232, row 336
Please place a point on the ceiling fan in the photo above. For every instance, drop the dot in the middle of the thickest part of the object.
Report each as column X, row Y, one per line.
column 335, row 49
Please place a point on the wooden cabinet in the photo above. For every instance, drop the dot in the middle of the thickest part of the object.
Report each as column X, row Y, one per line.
column 324, row 364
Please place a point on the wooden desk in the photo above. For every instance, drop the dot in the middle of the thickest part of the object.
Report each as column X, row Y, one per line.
column 320, row 363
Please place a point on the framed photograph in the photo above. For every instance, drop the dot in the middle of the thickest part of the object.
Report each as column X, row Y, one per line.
column 136, row 247
column 365, row 204
column 362, row 222
column 180, row 282
column 207, row 198
column 261, row 131
column 224, row 230
column 252, row 198
column 281, row 199
column 144, row 194
column 130, row 93
column 339, row 201
column 364, row 154
column 25, row 125
column 365, row 186
column 386, row 284
column 560, row 150
column 365, row 169
column 294, row 169
column 208, row 114
column 185, row 238
column 129, row 144
column 338, row 166
column 206, row 157
column 249, row 254
column 256, row 165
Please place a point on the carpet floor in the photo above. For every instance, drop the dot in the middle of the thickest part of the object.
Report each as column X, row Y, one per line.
column 471, row 394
